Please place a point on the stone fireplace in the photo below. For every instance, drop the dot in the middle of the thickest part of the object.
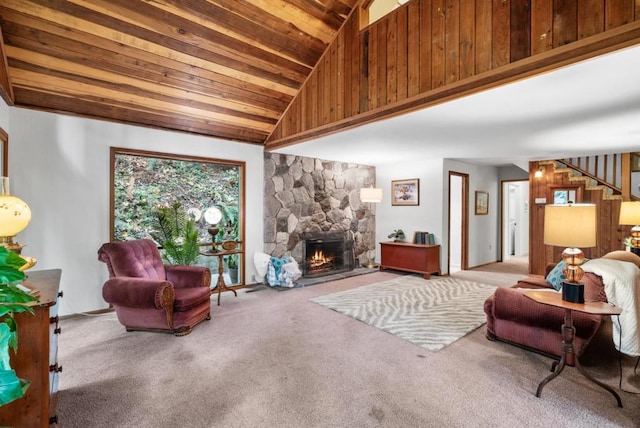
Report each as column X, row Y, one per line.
column 327, row 253
column 307, row 196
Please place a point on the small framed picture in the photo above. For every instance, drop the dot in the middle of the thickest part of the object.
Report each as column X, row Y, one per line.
column 405, row 192
column 482, row 203
column 635, row 162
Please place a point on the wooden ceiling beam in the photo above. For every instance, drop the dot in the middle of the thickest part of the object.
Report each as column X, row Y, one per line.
column 154, row 118
column 104, row 54
column 6, row 91
column 251, row 25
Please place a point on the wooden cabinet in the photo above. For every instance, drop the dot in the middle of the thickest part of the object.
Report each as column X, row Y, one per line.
column 416, row 258
column 37, row 356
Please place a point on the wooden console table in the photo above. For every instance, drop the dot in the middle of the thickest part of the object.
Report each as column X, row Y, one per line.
column 416, row 258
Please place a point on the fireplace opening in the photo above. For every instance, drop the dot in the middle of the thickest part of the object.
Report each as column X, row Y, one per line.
column 327, row 254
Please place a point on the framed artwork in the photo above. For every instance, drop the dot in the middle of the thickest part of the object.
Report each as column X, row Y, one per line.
column 405, row 192
column 482, row 202
column 635, row 162
column 565, row 195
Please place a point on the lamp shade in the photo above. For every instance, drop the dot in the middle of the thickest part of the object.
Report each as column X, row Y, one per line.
column 630, row 213
column 370, row 194
column 571, row 225
column 15, row 215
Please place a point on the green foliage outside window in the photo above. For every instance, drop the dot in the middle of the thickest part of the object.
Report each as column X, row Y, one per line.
column 142, row 183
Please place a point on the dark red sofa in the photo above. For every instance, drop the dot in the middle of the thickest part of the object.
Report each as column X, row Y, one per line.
column 514, row 318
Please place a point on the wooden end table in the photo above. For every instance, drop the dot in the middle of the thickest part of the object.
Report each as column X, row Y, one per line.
column 220, row 285
column 569, row 331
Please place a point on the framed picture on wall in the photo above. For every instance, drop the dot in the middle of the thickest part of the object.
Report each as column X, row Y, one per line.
column 482, row 202
column 405, row 192
column 635, row 162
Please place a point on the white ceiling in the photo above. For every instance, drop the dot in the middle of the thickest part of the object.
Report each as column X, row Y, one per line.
column 592, row 107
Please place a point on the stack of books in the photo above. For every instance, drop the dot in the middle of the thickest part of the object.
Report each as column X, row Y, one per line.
column 424, row 238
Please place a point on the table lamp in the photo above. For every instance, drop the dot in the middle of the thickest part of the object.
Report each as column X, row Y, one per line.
column 212, row 217
column 371, row 195
column 571, row 226
column 630, row 216
column 15, row 215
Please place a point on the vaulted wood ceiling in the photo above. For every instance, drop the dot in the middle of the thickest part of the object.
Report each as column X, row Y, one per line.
column 222, row 68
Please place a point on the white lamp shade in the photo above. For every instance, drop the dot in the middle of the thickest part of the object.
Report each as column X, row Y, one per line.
column 15, row 215
column 370, row 194
column 630, row 213
column 572, row 225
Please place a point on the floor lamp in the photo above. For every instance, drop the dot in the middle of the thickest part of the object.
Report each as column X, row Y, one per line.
column 572, row 226
column 372, row 196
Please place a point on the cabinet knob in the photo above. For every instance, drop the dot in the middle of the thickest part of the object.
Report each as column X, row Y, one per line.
column 57, row 330
column 60, row 293
column 55, row 368
column 54, row 320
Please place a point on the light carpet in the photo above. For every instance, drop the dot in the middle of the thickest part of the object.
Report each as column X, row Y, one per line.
column 429, row 313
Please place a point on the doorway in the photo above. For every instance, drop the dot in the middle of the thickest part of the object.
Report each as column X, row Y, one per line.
column 458, row 221
column 515, row 220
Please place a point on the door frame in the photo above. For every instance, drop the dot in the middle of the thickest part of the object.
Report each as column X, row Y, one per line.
column 505, row 200
column 464, row 238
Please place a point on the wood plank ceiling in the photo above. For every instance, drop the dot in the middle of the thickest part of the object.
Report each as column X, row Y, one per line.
column 221, row 68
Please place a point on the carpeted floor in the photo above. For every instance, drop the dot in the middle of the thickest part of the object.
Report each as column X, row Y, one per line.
column 429, row 313
column 270, row 359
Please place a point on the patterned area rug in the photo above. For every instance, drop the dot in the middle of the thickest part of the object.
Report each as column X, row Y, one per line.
column 431, row 314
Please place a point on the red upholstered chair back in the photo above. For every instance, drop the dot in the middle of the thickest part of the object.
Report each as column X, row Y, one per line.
column 137, row 259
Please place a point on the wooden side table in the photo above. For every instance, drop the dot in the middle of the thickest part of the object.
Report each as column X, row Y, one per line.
column 569, row 331
column 220, row 285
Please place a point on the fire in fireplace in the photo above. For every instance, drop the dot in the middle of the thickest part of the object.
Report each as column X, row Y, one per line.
column 327, row 253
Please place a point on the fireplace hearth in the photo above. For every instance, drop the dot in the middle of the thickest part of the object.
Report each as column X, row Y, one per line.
column 327, row 253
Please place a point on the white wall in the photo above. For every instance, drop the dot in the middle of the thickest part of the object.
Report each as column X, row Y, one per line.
column 4, row 115
column 483, row 229
column 60, row 166
column 426, row 217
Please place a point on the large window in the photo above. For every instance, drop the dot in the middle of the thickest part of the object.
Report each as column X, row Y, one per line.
column 142, row 181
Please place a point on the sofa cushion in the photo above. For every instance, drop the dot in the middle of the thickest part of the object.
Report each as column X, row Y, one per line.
column 556, row 277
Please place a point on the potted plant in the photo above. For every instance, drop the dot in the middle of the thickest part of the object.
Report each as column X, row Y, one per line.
column 232, row 265
column 12, row 300
column 176, row 232
column 397, row 235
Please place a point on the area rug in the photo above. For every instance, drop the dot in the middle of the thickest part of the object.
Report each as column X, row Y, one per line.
column 429, row 313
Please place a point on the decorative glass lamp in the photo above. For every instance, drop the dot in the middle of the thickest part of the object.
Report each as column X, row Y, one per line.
column 15, row 215
column 572, row 226
column 630, row 216
column 212, row 216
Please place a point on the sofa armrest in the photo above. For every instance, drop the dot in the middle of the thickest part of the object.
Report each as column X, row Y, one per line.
column 510, row 304
column 182, row 276
column 533, row 281
column 138, row 292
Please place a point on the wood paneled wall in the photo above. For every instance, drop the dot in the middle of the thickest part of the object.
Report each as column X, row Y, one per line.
column 429, row 51
column 610, row 234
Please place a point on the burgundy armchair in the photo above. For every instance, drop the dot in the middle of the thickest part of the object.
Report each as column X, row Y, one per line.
column 148, row 295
